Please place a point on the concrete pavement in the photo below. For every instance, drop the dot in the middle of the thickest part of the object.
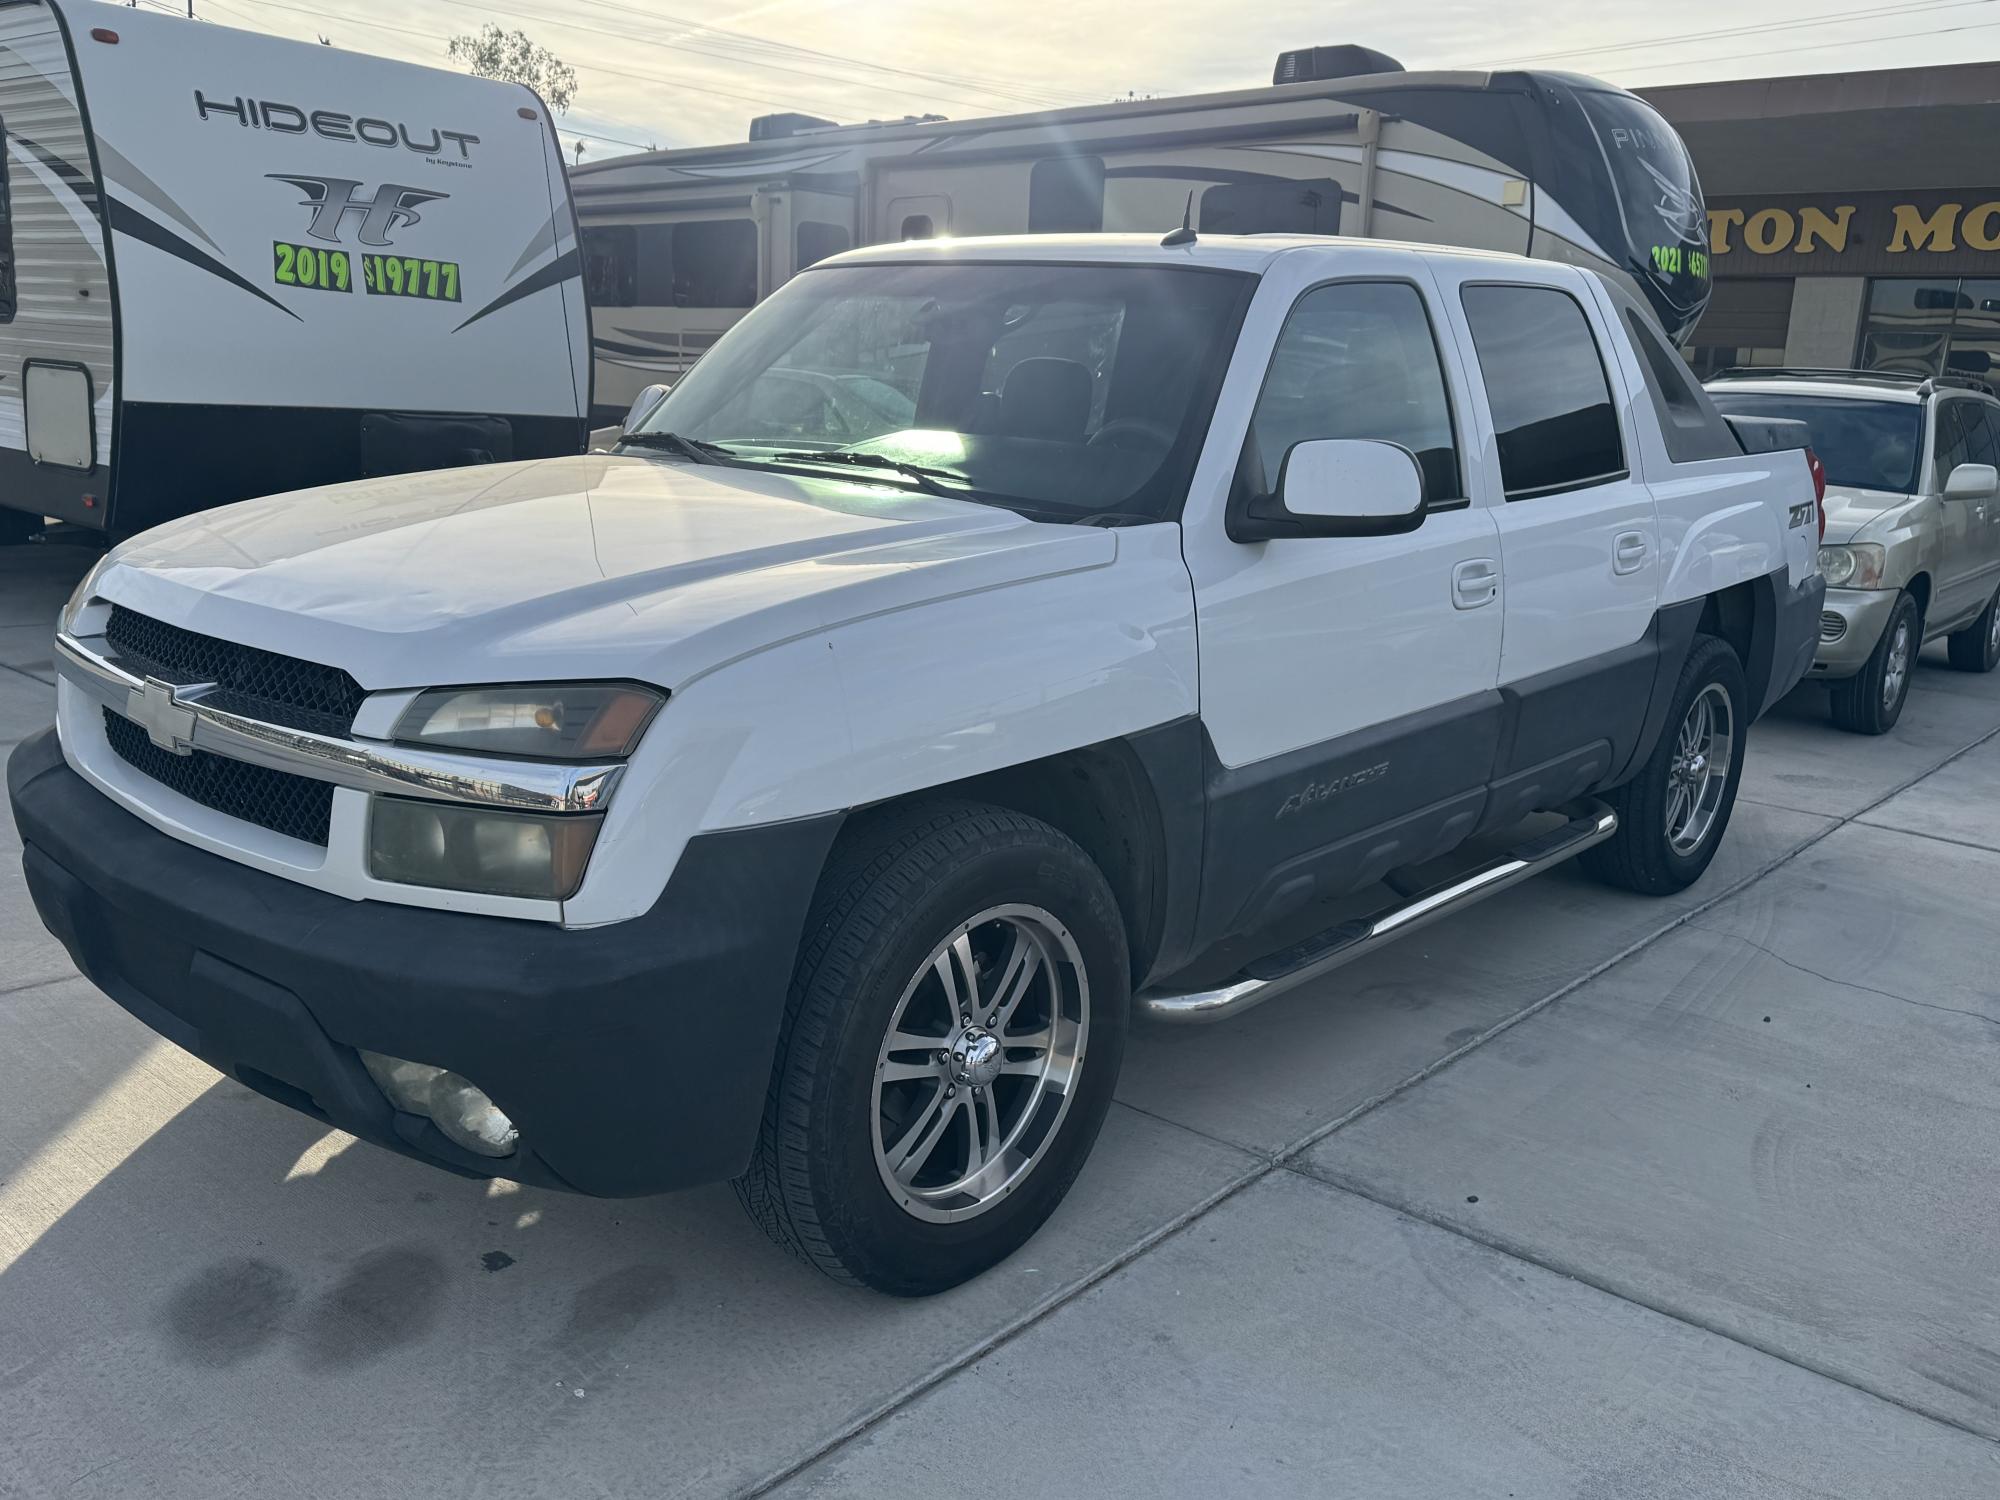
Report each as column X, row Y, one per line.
column 1538, row 1203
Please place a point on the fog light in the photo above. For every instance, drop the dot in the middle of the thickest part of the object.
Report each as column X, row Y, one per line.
column 462, row 1111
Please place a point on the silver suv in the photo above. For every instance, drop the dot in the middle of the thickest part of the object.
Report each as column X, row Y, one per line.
column 1912, row 545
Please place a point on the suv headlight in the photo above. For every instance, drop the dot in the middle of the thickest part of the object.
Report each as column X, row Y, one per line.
column 560, row 721
column 495, row 851
column 1859, row 565
column 456, row 848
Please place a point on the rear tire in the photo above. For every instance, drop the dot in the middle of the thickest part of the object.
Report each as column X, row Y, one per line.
column 1673, row 814
column 1977, row 647
column 911, row 1168
column 1871, row 701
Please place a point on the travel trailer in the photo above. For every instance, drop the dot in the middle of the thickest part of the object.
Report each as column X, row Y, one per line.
column 232, row 265
column 679, row 244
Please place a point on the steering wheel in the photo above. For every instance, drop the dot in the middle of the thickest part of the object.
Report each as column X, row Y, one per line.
column 1119, row 433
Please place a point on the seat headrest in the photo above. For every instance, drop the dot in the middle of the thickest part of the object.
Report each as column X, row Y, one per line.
column 1046, row 398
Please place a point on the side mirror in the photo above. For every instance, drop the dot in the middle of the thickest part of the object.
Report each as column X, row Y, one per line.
column 1972, row 482
column 1337, row 487
column 643, row 406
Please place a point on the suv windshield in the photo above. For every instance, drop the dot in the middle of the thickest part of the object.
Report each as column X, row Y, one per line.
column 1069, row 392
column 1865, row 445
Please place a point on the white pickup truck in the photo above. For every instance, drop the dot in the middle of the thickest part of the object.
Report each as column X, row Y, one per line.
column 979, row 640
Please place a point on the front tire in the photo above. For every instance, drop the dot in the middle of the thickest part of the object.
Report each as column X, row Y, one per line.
column 1871, row 701
column 1672, row 815
column 1977, row 647
column 953, row 1033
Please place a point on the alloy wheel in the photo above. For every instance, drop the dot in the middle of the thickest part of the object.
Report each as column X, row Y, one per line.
column 1897, row 668
column 979, row 1064
column 1698, row 775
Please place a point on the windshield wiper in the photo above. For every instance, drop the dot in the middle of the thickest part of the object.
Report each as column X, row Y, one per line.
column 926, row 477
column 672, row 442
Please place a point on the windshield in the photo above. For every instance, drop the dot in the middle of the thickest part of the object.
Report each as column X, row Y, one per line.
column 1660, row 208
column 1865, row 445
column 1070, row 392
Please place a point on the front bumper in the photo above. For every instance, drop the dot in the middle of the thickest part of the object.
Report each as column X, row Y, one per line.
column 1863, row 614
column 634, row 1058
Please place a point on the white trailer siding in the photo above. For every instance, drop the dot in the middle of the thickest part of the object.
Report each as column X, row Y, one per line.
column 63, row 312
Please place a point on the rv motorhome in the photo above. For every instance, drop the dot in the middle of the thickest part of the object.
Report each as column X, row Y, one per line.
column 679, row 244
column 232, row 265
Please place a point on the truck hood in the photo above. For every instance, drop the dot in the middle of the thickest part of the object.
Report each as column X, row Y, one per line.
column 603, row 565
column 1848, row 510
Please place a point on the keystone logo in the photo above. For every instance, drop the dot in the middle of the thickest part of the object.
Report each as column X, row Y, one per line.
column 333, row 199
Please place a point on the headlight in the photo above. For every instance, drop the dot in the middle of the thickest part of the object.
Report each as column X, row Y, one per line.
column 458, row 848
column 1858, row 566
column 562, row 721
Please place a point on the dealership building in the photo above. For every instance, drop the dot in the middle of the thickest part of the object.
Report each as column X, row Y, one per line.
column 1854, row 218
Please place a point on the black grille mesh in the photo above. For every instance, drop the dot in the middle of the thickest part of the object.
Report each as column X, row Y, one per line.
column 295, row 806
column 258, row 684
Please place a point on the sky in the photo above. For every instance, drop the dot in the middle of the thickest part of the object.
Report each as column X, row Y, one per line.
column 693, row 74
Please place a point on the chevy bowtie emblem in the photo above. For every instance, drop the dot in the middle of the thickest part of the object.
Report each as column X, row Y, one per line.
column 167, row 723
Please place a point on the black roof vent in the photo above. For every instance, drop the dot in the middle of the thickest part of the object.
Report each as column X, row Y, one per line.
column 777, row 127
column 1308, row 64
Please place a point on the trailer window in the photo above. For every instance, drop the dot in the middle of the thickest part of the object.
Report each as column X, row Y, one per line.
column 701, row 263
column 609, row 265
column 815, row 242
column 1310, row 206
column 1066, row 195
column 715, row 263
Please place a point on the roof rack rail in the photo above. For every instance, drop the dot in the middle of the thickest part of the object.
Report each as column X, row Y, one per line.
column 1961, row 380
column 1807, row 372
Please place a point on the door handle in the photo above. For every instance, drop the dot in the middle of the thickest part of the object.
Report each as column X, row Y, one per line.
column 1474, row 582
column 1628, row 552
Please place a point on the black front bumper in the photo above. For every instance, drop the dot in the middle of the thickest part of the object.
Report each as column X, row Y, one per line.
column 633, row 1058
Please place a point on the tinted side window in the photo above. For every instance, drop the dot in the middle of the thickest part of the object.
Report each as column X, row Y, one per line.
column 609, row 265
column 715, row 263
column 1356, row 360
column 816, row 241
column 1066, row 195
column 1983, row 439
column 1546, row 384
column 1954, row 437
column 1693, row 429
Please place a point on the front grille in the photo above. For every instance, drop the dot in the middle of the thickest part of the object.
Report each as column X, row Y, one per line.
column 1831, row 626
column 295, row 806
column 257, row 684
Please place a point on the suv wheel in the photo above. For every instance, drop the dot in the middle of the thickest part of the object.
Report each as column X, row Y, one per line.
column 952, row 1036
column 1977, row 647
column 1672, row 815
column 1871, row 701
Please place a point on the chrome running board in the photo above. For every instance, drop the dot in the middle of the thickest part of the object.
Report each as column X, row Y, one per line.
column 1326, row 951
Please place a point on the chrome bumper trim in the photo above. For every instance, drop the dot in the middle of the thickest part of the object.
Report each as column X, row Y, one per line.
column 365, row 766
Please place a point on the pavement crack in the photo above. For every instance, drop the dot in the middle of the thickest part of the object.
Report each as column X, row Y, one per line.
column 1848, row 984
